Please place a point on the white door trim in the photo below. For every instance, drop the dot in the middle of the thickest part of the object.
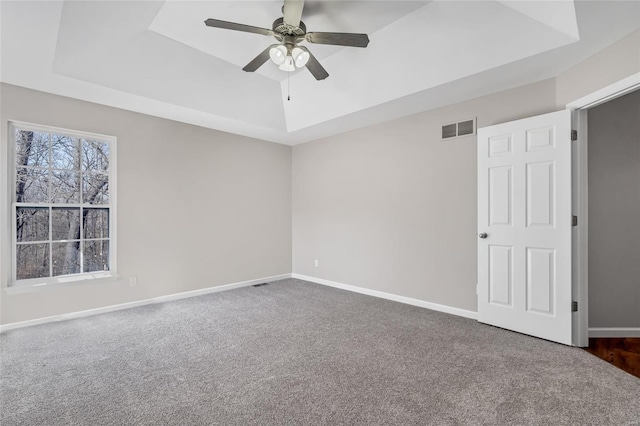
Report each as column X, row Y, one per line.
column 606, row 94
column 580, row 191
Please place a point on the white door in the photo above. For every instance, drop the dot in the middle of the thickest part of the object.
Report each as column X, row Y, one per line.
column 524, row 226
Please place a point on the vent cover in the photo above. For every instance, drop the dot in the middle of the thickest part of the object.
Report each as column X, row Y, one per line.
column 461, row 128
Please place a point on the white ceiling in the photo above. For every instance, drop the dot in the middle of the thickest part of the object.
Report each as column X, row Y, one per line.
column 159, row 58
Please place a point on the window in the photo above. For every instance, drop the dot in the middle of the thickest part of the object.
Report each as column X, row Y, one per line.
column 63, row 204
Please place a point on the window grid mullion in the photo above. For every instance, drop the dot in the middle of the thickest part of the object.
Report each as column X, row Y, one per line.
column 81, row 173
column 49, row 191
column 50, row 242
column 49, row 202
column 81, row 235
column 81, row 198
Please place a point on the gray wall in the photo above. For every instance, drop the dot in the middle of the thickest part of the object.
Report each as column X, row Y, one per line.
column 614, row 211
column 393, row 208
column 196, row 207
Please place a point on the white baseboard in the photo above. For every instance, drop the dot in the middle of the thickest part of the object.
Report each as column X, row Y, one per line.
column 402, row 299
column 614, row 332
column 160, row 299
column 193, row 293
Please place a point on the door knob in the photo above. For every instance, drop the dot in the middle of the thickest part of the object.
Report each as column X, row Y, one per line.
column 483, row 235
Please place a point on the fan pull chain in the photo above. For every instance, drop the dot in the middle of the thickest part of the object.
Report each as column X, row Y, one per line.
column 288, row 85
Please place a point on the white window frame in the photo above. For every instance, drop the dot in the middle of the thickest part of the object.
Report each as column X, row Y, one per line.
column 10, row 211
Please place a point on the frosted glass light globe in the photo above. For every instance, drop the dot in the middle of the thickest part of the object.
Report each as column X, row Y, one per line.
column 300, row 56
column 288, row 64
column 278, row 54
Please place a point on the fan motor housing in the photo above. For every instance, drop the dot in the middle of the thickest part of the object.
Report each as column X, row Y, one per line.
column 282, row 28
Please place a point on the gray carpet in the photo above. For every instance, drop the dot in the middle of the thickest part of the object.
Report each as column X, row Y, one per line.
column 299, row 353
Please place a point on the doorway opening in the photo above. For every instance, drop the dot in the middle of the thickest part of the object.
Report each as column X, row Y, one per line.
column 606, row 199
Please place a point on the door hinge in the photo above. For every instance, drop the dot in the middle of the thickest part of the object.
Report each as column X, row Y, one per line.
column 574, row 220
column 574, row 135
column 574, row 306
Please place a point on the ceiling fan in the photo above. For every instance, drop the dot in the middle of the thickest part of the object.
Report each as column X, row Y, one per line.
column 290, row 31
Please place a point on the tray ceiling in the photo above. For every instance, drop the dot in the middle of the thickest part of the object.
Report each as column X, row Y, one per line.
column 159, row 58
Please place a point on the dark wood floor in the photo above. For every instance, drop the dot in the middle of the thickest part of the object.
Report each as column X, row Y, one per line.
column 624, row 353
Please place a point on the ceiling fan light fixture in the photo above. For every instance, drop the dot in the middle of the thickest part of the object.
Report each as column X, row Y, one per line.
column 278, row 54
column 288, row 64
column 300, row 56
column 289, row 30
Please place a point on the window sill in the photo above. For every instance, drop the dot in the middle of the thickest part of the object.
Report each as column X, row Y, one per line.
column 59, row 282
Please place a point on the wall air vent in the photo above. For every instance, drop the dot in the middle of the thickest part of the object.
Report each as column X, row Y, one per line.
column 461, row 128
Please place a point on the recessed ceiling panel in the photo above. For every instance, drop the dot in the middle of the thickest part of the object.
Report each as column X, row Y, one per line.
column 437, row 44
column 184, row 22
column 118, row 51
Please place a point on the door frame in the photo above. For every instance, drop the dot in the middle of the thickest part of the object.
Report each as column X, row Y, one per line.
column 580, row 198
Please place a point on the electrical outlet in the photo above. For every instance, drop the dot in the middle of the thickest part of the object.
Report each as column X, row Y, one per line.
column 133, row 281
column 315, row 263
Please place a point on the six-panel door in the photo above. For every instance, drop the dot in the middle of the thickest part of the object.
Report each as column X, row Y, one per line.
column 524, row 207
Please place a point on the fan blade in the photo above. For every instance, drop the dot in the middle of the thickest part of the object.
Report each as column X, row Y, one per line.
column 216, row 23
column 339, row 39
column 258, row 61
column 293, row 12
column 315, row 68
